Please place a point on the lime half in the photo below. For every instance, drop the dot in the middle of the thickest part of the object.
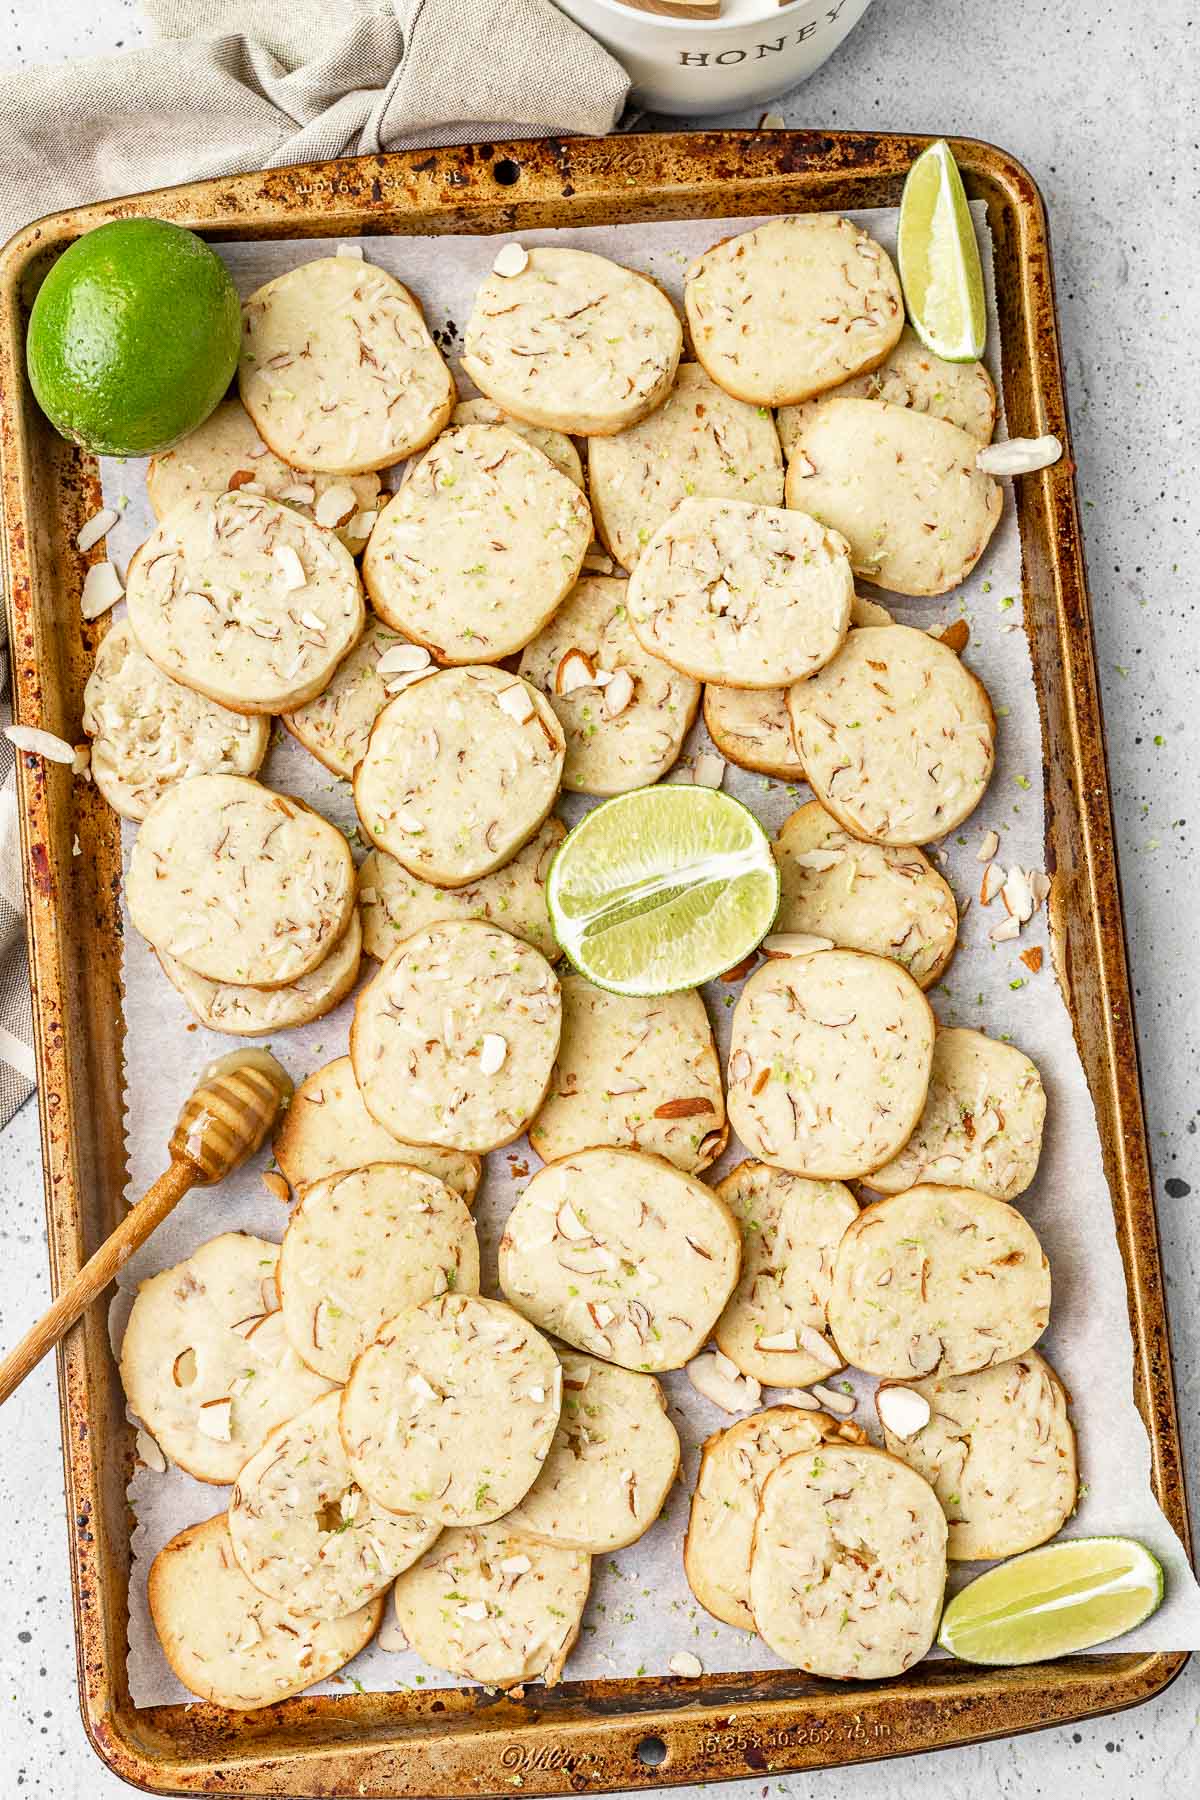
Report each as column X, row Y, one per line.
column 662, row 889
column 939, row 259
column 1049, row 1602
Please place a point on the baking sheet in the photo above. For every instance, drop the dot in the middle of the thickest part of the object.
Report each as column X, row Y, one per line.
column 641, row 1611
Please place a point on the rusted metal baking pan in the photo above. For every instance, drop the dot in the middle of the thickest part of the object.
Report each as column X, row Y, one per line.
column 607, row 1734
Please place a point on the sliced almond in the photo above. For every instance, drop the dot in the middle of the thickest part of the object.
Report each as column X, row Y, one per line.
column 355, row 250
column 277, row 1186
column 101, row 590
column 148, row 1450
column 777, row 1340
column 291, row 569
column 708, row 770
column 1039, row 886
column 1017, row 894
column 991, row 884
column 1032, row 958
column 337, row 504
column 1019, row 456
column 251, row 1635
column 575, row 670
column 818, row 1347
column 618, row 693
column 819, row 859
column 40, row 743
column 1006, row 930
column 493, row 1052
column 517, row 702
column 300, row 493
column 683, row 1663
column 956, row 636
column 799, row 1397
column 81, row 761
column 902, row 1411
column 515, row 1565
column 98, row 526
column 511, row 259
column 475, row 1610
column 988, row 847
column 739, row 1393
column 403, row 659
column 795, row 943
column 684, row 1108
column 215, row 1419
column 843, row 1404
column 570, row 1225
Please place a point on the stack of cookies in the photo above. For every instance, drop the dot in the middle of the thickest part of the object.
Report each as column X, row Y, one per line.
column 382, row 1425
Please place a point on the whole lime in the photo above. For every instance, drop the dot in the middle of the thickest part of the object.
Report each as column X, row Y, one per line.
column 133, row 338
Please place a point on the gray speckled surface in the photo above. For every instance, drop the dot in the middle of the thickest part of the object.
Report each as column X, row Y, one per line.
column 1094, row 98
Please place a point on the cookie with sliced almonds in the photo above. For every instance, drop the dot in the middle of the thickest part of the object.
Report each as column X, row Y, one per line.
column 483, row 540
column 148, row 732
column 240, row 884
column 394, row 903
column 624, row 713
column 338, row 370
column 304, row 1532
column 848, row 1565
column 996, row 1446
column 459, row 772
column 963, row 394
column 938, row 1281
column 982, row 1123
column 454, row 1041
column 226, row 454
column 245, row 601
column 573, row 341
column 623, row 1255
column 864, row 896
column 734, row 1465
column 793, row 307
column 363, row 1245
column 336, row 725
column 829, row 1062
column 327, row 1128
column 554, row 444
column 699, row 441
column 205, row 1360
column 611, row 1465
column 896, row 735
column 753, row 728
column 637, row 1072
column 774, row 1326
column 255, row 1012
column 494, row 1606
column 748, row 596
column 452, row 1410
column 900, row 486
column 228, row 1642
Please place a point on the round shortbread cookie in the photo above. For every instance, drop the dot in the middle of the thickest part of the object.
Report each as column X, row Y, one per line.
column 611, row 1465
column 338, row 370
column 336, row 725
column 699, row 441
column 573, row 342
column 460, row 771
column 327, row 1128
column 454, row 1041
column 626, row 727
column 149, row 732
column 452, row 1410
column 643, row 1073
column 734, row 1465
column 863, row 896
column 205, row 1361
column 395, row 903
column 982, row 1123
column 304, row 1532
column 829, row 1062
column 240, row 883
column 226, row 453
column 897, row 738
column 753, row 728
column 961, row 393
column 999, row 1452
column 362, row 1246
column 254, row 1012
column 791, row 1229
column 848, row 1567
column 900, row 486
column 793, row 307
column 554, row 444
column 938, row 1280
column 622, row 1255
column 476, row 550
column 228, row 1642
column 245, row 601
column 748, row 596
column 494, row 1606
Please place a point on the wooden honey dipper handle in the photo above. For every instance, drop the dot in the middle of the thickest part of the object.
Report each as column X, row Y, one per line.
column 221, row 1124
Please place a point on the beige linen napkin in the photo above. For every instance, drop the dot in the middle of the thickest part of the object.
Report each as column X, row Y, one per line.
column 250, row 84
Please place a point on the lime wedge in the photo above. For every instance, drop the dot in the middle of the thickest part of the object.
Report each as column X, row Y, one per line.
column 1048, row 1602
column 662, row 888
column 939, row 259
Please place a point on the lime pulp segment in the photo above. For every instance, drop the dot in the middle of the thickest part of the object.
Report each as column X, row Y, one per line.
column 1065, row 1597
column 662, row 889
column 940, row 269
